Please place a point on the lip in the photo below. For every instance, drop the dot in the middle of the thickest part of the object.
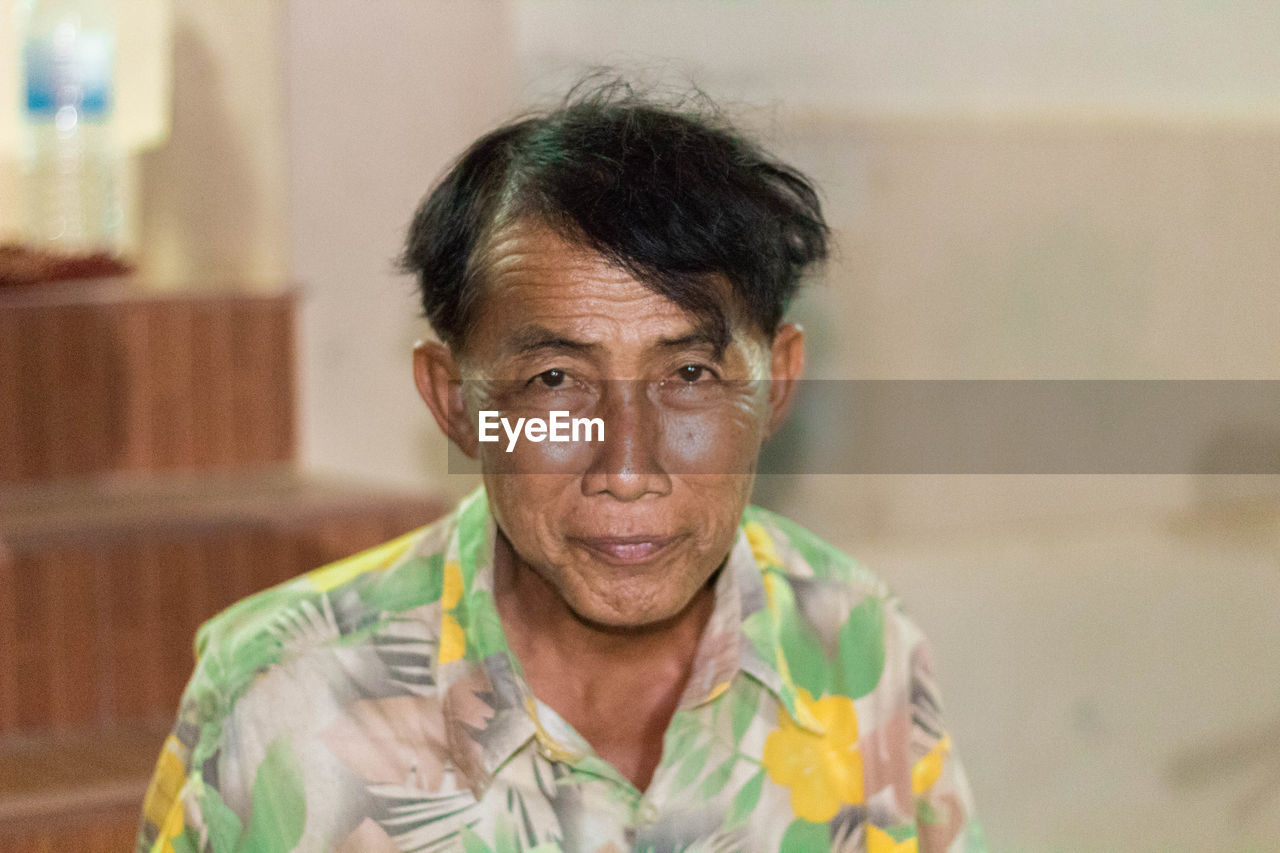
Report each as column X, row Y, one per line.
column 626, row 550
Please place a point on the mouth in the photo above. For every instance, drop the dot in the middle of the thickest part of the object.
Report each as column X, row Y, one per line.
column 626, row 550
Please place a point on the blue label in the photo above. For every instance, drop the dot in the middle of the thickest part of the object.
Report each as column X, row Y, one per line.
column 76, row 75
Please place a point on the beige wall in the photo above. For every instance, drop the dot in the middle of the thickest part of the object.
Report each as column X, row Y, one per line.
column 382, row 96
column 1099, row 637
column 986, row 58
column 213, row 202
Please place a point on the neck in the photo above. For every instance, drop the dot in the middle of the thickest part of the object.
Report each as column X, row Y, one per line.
column 618, row 687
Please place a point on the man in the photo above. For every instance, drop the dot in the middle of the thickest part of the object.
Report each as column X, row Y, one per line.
column 605, row 648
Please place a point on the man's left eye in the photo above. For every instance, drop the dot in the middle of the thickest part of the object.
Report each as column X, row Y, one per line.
column 692, row 373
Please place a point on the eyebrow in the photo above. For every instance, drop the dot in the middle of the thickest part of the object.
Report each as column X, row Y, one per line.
column 695, row 339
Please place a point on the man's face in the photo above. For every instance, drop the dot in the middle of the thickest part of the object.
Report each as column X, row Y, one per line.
column 628, row 529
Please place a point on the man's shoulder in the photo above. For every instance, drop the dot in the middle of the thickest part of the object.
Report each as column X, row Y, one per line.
column 330, row 605
column 832, row 626
column 805, row 556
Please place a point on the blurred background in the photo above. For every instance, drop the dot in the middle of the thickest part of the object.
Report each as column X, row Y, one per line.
column 1041, row 189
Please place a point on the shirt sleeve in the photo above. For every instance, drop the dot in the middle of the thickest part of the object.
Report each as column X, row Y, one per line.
column 171, row 803
column 945, row 817
column 183, row 810
column 228, row 777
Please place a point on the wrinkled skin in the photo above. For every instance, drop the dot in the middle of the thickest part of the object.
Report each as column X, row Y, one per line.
column 606, row 549
column 626, row 531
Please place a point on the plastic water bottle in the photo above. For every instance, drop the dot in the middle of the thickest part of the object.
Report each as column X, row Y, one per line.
column 71, row 174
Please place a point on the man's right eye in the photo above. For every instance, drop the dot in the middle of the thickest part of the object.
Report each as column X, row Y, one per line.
column 552, row 378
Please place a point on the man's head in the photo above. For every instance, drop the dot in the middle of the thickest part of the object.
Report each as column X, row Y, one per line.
column 616, row 259
column 675, row 197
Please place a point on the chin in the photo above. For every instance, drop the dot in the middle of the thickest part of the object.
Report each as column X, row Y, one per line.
column 614, row 620
column 632, row 603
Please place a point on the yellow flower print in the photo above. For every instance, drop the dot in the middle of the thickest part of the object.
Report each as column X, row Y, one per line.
column 377, row 558
column 823, row 771
column 453, row 640
column 771, row 590
column 166, row 782
column 453, row 584
column 927, row 770
column 879, row 841
column 717, row 691
column 761, row 545
column 171, row 828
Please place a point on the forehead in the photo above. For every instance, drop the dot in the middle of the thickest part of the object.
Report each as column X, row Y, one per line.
column 529, row 275
column 532, row 261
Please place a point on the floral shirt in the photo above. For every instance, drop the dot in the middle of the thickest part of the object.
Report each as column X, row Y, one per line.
column 375, row 705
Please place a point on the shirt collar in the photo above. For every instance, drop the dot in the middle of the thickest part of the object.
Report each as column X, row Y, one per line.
column 741, row 635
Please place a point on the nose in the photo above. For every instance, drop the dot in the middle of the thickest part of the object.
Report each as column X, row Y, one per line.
column 626, row 464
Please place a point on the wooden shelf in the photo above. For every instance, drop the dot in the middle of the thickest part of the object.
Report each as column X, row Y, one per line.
column 109, row 510
column 41, row 778
column 106, row 586
column 75, row 790
column 100, row 378
column 146, row 483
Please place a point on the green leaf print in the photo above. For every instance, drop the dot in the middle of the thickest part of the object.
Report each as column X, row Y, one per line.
column 472, row 843
column 692, row 765
column 745, row 801
column 806, row 658
column 760, row 631
column 224, row 825
column 419, row 580
column 861, row 650
column 744, row 700
column 505, row 837
column 681, row 732
column 805, row 837
column 718, row 778
column 279, row 803
column 485, row 628
column 473, row 534
column 826, row 562
column 188, row 841
column 901, row 832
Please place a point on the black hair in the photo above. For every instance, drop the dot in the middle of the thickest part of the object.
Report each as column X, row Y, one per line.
column 672, row 194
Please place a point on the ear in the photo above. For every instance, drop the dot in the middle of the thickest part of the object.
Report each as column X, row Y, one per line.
column 439, row 382
column 786, row 363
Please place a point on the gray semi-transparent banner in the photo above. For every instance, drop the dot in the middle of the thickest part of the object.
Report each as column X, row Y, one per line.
column 878, row 427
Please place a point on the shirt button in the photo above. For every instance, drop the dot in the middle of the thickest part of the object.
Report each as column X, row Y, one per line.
column 648, row 812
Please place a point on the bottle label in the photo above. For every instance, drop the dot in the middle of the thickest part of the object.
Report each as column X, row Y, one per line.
column 74, row 73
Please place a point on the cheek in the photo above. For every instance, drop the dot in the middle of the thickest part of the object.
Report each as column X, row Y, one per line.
column 714, row 440
column 544, row 459
column 523, row 506
column 717, row 501
column 529, row 439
